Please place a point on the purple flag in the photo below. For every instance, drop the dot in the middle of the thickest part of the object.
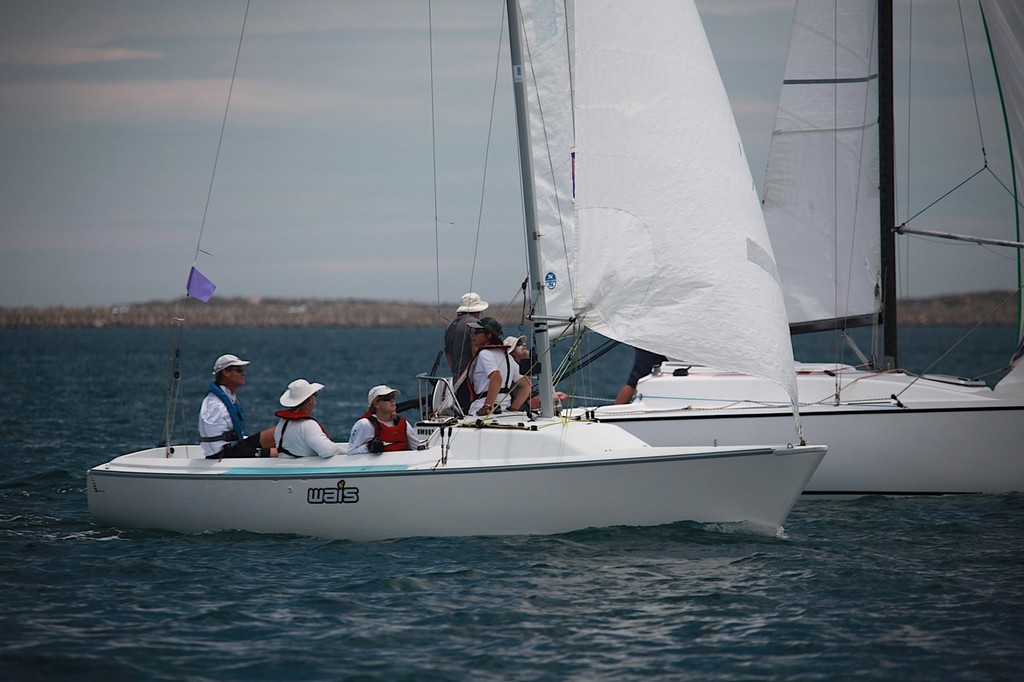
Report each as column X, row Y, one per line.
column 198, row 286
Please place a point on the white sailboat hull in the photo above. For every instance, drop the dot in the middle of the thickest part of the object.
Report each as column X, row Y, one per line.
column 497, row 481
column 939, row 437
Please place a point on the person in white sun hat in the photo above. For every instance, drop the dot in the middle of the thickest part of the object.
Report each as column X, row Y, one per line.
column 297, row 433
column 222, row 420
column 458, row 344
column 380, row 429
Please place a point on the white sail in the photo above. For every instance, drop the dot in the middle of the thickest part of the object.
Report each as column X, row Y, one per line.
column 672, row 254
column 549, row 87
column 483, row 463
column 821, row 195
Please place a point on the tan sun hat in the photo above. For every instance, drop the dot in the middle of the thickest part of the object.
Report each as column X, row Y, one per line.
column 298, row 392
column 472, row 303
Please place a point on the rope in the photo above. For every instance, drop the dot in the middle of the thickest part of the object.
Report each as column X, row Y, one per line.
column 433, row 162
column 173, row 372
column 487, row 149
column 220, row 140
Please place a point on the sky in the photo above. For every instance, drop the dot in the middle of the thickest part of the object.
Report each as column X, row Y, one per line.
column 351, row 125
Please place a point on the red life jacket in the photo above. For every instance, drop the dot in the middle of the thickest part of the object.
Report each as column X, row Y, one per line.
column 395, row 437
column 290, row 416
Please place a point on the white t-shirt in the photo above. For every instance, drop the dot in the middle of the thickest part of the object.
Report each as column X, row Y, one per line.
column 214, row 420
column 305, row 438
column 491, row 360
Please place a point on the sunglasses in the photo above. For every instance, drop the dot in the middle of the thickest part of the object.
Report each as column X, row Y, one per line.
column 388, row 398
column 240, row 370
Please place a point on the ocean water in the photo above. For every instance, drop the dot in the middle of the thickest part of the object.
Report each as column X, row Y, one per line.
column 876, row 588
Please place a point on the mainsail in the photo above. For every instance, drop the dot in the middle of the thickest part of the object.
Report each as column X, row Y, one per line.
column 821, row 196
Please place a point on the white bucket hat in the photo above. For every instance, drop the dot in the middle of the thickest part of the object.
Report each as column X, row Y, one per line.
column 228, row 360
column 471, row 303
column 298, row 392
column 378, row 391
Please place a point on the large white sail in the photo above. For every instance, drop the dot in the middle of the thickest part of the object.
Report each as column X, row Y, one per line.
column 821, row 195
column 548, row 48
column 672, row 254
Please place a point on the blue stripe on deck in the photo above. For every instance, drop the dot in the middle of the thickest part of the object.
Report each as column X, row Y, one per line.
column 289, row 471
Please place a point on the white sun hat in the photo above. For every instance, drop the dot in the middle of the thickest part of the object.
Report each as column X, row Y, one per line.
column 298, row 392
column 378, row 391
column 228, row 360
column 472, row 303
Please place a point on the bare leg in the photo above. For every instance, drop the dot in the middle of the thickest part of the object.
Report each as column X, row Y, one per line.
column 626, row 395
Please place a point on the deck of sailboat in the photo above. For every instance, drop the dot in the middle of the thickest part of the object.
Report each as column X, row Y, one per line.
column 681, row 387
column 503, row 442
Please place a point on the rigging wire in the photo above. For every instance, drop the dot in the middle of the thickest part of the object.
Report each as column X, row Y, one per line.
column 910, row 87
column 839, row 350
column 220, row 140
column 173, row 366
column 1012, row 295
column 970, row 72
column 433, row 161
column 442, row 321
column 487, row 148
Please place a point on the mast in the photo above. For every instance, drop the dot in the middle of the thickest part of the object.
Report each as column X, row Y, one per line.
column 887, row 189
column 539, row 313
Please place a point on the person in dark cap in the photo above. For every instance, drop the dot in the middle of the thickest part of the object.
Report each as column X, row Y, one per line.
column 497, row 383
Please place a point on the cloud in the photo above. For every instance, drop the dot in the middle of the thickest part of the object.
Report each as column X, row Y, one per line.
column 156, row 102
column 56, row 55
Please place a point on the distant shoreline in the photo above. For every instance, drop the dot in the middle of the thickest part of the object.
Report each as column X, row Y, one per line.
column 949, row 310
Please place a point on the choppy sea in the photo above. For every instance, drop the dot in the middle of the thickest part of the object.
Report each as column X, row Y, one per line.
column 875, row 588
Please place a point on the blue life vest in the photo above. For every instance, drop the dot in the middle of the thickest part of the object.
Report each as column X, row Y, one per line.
column 234, row 409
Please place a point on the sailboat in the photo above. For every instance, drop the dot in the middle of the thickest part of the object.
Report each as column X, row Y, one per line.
column 889, row 431
column 518, row 473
